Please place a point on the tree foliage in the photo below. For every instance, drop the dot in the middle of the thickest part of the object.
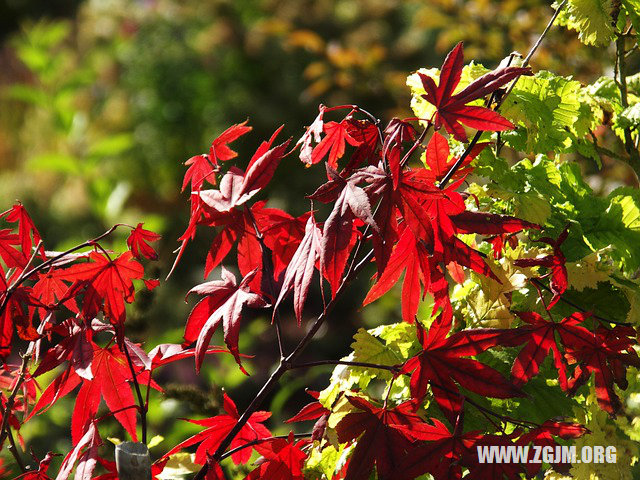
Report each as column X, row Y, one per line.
column 518, row 306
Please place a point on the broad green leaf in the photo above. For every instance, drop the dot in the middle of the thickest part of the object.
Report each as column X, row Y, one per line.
column 489, row 310
column 399, row 337
column 589, row 271
column 591, row 19
column 629, row 117
column 545, row 108
column 619, row 226
column 368, row 348
column 178, row 466
column 324, row 461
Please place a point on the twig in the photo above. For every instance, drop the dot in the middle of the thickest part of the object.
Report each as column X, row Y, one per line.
column 391, row 368
column 6, row 412
column 620, row 78
column 262, row 440
column 14, row 451
column 284, row 366
column 533, row 49
column 25, row 275
column 574, row 305
column 522, row 423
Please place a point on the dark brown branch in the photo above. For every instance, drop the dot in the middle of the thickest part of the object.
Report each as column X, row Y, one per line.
column 14, row 451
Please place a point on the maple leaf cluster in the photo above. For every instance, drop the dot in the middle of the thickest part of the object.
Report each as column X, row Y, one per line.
column 415, row 222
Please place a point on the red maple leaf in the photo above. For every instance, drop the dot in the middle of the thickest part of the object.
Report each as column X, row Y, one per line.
column 282, row 459
column 219, row 147
column 338, row 233
column 489, row 223
column 605, row 354
column 201, row 168
column 452, row 110
column 50, row 291
column 297, row 276
column 439, row 163
column 204, row 167
column 26, row 228
column 544, row 436
column 366, row 133
column 539, row 336
column 410, row 257
column 217, row 429
column 439, row 451
column 138, row 242
column 222, row 305
column 555, row 263
column 236, row 186
column 333, row 143
column 108, row 379
column 84, row 453
column 12, row 256
column 440, row 364
column 108, row 284
column 282, row 234
column 381, row 439
column 313, row 411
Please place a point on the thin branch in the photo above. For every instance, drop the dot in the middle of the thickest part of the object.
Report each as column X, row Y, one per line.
column 6, row 412
column 533, row 49
column 621, row 81
column 14, row 451
column 575, row 305
column 262, row 440
column 456, row 166
column 25, row 275
column 284, row 366
column 391, row 368
column 504, row 418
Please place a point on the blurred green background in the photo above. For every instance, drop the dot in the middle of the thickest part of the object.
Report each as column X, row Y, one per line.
column 102, row 101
